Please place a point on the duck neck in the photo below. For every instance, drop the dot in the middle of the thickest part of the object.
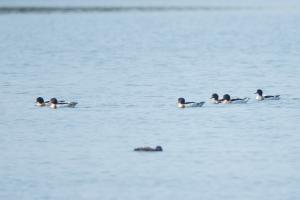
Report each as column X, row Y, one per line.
column 259, row 97
column 180, row 105
column 226, row 101
column 40, row 104
column 215, row 101
column 54, row 106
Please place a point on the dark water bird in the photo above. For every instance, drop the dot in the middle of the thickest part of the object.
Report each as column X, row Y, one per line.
column 157, row 148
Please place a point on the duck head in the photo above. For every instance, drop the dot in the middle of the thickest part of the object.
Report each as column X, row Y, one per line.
column 215, row 97
column 53, row 103
column 259, row 92
column 181, row 100
column 40, row 101
column 226, row 97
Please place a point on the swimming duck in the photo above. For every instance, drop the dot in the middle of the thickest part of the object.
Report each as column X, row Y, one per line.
column 157, row 148
column 53, row 103
column 260, row 96
column 40, row 102
column 215, row 99
column 227, row 99
column 182, row 104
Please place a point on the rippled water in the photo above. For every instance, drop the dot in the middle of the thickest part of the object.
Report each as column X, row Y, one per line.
column 126, row 70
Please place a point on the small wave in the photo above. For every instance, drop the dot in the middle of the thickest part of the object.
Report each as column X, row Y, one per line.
column 102, row 9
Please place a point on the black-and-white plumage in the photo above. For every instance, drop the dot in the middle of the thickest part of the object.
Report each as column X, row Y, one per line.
column 227, row 99
column 261, row 97
column 181, row 103
column 157, row 148
column 215, row 99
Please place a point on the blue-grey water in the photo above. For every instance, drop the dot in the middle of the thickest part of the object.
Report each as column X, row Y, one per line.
column 126, row 70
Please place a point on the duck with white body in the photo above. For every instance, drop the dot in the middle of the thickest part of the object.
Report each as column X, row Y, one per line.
column 261, row 97
column 227, row 100
column 215, row 99
column 181, row 103
column 54, row 103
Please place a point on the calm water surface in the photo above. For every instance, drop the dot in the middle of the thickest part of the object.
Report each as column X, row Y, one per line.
column 126, row 70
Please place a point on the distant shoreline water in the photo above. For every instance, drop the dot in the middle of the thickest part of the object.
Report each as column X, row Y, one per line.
column 64, row 9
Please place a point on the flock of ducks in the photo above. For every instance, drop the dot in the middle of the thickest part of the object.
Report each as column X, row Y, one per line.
column 181, row 103
column 54, row 104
